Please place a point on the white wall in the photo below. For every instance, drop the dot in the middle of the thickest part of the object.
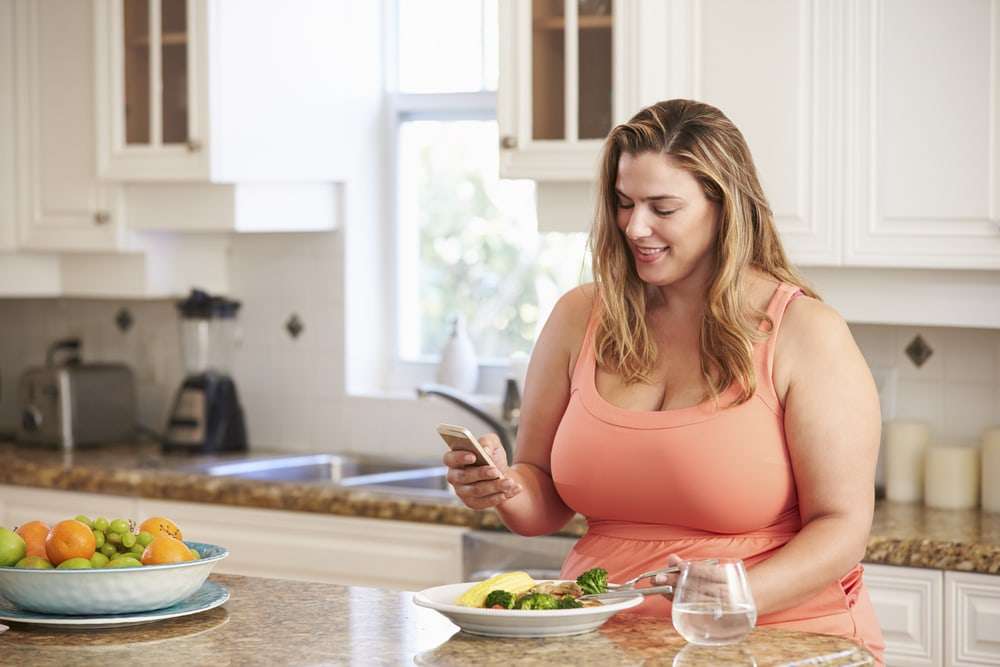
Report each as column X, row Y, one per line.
column 293, row 389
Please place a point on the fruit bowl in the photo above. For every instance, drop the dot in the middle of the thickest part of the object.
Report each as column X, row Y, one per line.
column 109, row 591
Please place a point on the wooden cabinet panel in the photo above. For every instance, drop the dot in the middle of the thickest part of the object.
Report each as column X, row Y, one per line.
column 908, row 604
column 972, row 612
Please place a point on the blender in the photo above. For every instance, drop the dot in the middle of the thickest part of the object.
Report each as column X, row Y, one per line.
column 206, row 416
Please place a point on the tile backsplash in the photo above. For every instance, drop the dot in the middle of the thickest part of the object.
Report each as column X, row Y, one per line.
column 292, row 387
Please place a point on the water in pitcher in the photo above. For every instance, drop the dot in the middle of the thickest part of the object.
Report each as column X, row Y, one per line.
column 711, row 623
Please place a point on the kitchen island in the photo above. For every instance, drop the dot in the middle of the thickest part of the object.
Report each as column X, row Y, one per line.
column 280, row 622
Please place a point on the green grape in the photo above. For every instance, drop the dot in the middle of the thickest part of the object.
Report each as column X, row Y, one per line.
column 128, row 540
column 109, row 550
column 194, row 552
column 137, row 549
column 99, row 559
column 125, row 561
column 83, row 518
column 113, row 538
column 101, row 524
column 144, row 538
column 119, row 526
column 99, row 538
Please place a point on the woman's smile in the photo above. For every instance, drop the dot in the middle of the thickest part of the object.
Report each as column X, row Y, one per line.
column 649, row 253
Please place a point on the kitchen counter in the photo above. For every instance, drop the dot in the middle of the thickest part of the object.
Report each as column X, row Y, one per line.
column 280, row 622
column 910, row 535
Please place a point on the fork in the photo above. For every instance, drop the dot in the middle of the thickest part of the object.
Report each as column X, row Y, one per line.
column 671, row 569
column 629, row 592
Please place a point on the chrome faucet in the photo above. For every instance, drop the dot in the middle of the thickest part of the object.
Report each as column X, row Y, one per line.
column 505, row 427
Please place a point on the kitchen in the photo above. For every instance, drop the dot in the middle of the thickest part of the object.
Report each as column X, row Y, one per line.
column 344, row 186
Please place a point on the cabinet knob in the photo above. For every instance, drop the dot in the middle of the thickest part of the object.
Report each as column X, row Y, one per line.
column 508, row 141
column 193, row 145
column 102, row 218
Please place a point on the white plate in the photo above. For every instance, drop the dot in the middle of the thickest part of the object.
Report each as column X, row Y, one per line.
column 209, row 596
column 514, row 622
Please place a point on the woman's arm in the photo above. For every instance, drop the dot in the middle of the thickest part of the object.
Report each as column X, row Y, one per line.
column 539, row 510
column 832, row 427
column 526, row 498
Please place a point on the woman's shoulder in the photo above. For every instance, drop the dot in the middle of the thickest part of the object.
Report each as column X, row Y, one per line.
column 575, row 307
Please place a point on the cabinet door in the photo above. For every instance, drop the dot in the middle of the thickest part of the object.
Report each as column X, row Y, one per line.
column 151, row 89
column 562, row 84
column 8, row 213
column 924, row 134
column 21, row 504
column 785, row 97
column 61, row 203
column 321, row 547
column 972, row 612
column 908, row 604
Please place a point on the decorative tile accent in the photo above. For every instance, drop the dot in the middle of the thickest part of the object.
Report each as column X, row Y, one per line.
column 124, row 319
column 919, row 351
column 294, row 326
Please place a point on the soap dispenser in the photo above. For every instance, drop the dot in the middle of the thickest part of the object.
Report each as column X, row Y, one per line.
column 459, row 367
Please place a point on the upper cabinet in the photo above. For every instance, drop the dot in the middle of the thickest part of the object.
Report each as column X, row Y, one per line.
column 923, row 133
column 873, row 125
column 563, row 80
column 61, row 202
column 224, row 91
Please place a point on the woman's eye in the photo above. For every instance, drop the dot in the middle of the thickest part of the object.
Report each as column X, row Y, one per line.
column 624, row 205
column 663, row 213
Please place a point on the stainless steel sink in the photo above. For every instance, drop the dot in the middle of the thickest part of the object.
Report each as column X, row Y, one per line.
column 344, row 470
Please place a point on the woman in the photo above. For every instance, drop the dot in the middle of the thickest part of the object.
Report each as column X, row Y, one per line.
column 697, row 400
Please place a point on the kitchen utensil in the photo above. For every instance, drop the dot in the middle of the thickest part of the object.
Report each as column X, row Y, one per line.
column 518, row 622
column 209, row 596
column 111, row 590
column 652, row 574
column 618, row 593
column 207, row 416
column 712, row 602
column 71, row 403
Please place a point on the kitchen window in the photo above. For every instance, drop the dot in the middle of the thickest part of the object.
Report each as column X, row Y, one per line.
column 466, row 241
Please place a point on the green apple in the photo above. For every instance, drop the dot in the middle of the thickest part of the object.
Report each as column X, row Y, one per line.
column 124, row 561
column 75, row 564
column 34, row 563
column 12, row 547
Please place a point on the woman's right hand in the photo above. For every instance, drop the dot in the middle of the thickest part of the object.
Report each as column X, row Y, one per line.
column 481, row 487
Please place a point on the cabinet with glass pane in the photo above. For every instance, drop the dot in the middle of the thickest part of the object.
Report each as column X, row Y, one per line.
column 563, row 84
column 222, row 90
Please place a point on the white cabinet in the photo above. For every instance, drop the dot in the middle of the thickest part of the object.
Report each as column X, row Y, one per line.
column 225, row 90
column 8, row 211
column 908, row 604
column 61, row 203
column 273, row 543
column 567, row 74
column 923, row 129
column 972, row 613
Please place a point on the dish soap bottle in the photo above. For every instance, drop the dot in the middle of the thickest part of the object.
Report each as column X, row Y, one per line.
column 459, row 367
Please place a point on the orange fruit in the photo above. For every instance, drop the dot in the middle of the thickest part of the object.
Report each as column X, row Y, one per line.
column 159, row 525
column 70, row 539
column 165, row 549
column 34, row 533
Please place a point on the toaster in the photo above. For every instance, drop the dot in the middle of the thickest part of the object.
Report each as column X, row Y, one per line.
column 74, row 403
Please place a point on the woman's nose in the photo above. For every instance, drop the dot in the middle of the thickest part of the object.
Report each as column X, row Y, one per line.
column 637, row 226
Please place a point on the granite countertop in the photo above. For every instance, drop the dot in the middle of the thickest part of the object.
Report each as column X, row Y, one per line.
column 279, row 622
column 902, row 534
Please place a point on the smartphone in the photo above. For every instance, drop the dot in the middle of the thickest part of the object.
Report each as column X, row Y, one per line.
column 460, row 438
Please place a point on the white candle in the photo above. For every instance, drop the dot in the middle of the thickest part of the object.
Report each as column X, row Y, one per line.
column 905, row 444
column 991, row 469
column 952, row 479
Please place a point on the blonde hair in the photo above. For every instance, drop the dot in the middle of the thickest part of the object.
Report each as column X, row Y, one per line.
column 707, row 144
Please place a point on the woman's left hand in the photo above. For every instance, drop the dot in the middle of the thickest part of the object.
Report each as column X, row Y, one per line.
column 668, row 579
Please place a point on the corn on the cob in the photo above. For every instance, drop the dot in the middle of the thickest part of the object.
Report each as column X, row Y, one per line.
column 512, row 582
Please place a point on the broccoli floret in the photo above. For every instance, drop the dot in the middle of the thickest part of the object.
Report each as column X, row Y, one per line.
column 594, row 581
column 537, row 601
column 569, row 602
column 501, row 599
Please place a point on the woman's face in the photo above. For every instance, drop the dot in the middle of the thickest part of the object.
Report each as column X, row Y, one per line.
column 669, row 224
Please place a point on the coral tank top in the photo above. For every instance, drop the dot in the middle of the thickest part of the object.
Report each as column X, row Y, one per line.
column 701, row 482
